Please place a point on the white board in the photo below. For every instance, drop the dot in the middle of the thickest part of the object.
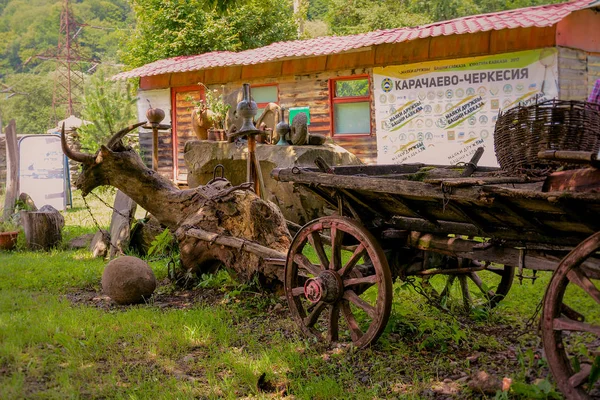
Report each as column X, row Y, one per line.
column 42, row 170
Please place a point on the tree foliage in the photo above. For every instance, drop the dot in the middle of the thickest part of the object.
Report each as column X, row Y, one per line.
column 175, row 28
column 357, row 16
column 30, row 28
column 108, row 105
column 28, row 102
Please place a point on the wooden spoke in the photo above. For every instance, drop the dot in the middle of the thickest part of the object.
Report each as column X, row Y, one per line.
column 470, row 276
column 449, row 282
column 496, row 270
column 582, row 376
column 479, row 283
column 311, row 319
column 371, row 279
column 315, row 240
column 464, row 289
column 357, row 255
column 333, row 327
column 337, row 236
column 305, row 263
column 567, row 324
column 355, row 332
column 360, row 303
column 578, row 277
column 328, row 275
column 563, row 329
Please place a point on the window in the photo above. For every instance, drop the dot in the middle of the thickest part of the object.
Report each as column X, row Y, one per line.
column 350, row 106
column 264, row 95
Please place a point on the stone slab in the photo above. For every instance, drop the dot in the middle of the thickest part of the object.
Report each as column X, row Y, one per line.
column 297, row 205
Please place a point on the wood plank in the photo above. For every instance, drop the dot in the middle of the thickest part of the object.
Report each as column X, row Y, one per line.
column 336, row 62
column 456, row 46
column 507, row 40
column 12, row 169
column 258, row 71
column 304, row 65
column 187, row 78
column 402, row 53
column 222, row 75
column 155, row 82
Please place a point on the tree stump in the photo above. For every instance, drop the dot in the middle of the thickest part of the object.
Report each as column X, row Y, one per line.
column 43, row 229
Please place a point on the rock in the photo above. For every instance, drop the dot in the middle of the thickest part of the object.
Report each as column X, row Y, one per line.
column 81, row 242
column 99, row 244
column 484, row 383
column 128, row 280
column 296, row 204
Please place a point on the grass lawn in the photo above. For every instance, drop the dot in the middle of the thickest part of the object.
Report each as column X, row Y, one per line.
column 59, row 338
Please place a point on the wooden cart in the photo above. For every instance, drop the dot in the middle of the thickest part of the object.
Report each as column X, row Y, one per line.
column 404, row 221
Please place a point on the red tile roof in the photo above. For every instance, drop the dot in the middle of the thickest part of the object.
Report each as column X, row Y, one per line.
column 540, row 16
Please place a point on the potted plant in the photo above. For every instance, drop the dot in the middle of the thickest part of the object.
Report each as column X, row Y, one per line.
column 209, row 115
column 9, row 231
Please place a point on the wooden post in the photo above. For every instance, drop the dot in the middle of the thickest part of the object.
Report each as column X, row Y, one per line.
column 155, row 147
column 12, row 170
column 253, row 171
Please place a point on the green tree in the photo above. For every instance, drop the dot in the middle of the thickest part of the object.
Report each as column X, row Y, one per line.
column 28, row 101
column 317, row 9
column 108, row 105
column 442, row 10
column 359, row 16
column 176, row 28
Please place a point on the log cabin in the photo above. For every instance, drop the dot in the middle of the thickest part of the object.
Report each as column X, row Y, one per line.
column 368, row 92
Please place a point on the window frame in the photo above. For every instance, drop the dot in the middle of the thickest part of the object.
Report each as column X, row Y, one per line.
column 333, row 100
column 263, row 105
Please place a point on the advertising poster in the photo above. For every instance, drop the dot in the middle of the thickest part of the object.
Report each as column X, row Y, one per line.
column 440, row 112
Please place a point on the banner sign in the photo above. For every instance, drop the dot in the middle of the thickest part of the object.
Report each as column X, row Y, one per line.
column 440, row 112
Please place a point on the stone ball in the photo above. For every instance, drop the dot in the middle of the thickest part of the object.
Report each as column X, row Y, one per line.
column 128, row 280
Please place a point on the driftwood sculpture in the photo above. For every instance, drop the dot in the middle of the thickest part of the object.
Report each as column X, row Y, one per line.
column 214, row 224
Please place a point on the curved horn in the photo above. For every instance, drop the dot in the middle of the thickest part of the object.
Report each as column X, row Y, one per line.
column 119, row 135
column 72, row 154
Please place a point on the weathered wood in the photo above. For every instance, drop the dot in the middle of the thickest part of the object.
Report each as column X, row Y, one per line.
column 43, row 229
column 578, row 180
column 463, row 182
column 457, row 247
column 218, row 208
column 12, row 170
column 472, row 164
column 120, row 224
column 236, row 243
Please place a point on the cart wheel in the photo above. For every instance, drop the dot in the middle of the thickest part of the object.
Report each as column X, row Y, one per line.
column 481, row 288
column 349, row 279
column 572, row 345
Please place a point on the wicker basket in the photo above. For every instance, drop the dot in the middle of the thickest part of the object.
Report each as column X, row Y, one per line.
column 521, row 132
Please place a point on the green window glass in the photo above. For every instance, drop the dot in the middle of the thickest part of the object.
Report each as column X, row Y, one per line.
column 352, row 118
column 264, row 94
column 351, row 105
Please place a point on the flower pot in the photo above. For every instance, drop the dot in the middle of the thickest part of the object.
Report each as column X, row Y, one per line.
column 8, row 240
